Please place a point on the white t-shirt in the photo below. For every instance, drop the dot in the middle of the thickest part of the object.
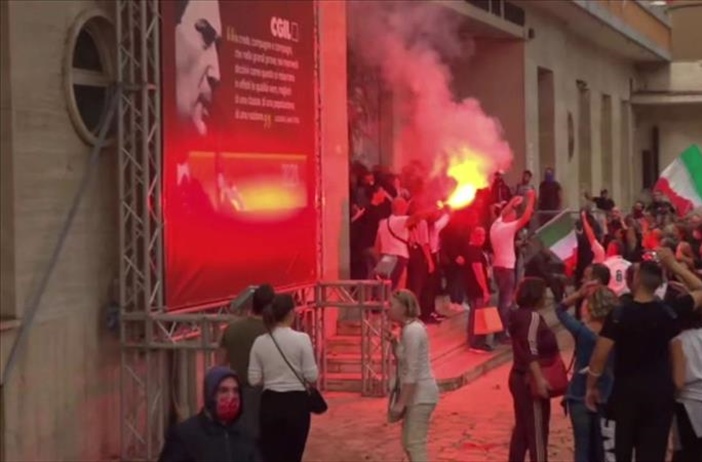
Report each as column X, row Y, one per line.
column 389, row 243
column 502, row 240
column 691, row 394
column 268, row 368
column 617, row 269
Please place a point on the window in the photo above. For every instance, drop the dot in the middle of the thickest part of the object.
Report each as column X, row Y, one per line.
column 89, row 71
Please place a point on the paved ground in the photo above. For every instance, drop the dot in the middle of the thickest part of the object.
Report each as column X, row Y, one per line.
column 472, row 424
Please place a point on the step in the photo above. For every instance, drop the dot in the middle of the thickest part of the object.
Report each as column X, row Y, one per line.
column 464, row 366
column 350, row 363
column 344, row 344
column 344, row 381
column 349, row 328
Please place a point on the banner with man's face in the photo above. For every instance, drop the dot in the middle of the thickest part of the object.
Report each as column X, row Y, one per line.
column 239, row 137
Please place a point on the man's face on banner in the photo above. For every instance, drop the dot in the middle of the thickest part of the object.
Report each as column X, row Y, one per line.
column 197, row 38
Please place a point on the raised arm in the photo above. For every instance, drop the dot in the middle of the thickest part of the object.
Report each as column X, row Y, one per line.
column 690, row 279
column 529, row 210
column 595, row 245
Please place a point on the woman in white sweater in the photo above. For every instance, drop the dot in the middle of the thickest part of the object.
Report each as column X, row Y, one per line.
column 285, row 413
column 686, row 350
column 419, row 392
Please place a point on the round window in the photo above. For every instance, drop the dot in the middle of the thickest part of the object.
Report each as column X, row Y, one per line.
column 89, row 70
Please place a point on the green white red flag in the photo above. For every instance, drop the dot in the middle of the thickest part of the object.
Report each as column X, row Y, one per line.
column 558, row 236
column 681, row 181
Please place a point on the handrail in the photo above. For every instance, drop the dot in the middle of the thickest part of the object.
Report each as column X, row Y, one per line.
column 35, row 298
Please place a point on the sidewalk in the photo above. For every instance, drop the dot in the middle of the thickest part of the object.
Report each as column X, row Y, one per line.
column 471, row 424
column 463, row 366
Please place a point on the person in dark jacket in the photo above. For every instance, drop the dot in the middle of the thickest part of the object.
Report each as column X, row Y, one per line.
column 533, row 343
column 213, row 435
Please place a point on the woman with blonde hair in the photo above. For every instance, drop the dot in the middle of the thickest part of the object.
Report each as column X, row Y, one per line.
column 418, row 392
column 586, row 432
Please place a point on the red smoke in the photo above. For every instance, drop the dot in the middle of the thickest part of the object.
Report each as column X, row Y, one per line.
column 411, row 42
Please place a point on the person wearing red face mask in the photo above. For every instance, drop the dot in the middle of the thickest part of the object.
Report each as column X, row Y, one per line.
column 213, row 434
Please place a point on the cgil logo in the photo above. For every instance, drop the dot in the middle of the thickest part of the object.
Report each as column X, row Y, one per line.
column 284, row 29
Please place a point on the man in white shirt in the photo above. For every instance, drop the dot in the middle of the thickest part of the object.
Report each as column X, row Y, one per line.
column 502, row 235
column 392, row 240
column 617, row 268
column 439, row 222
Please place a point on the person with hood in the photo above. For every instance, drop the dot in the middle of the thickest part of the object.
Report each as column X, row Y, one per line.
column 550, row 197
column 213, row 435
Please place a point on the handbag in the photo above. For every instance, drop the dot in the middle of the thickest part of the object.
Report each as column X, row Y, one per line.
column 554, row 371
column 487, row 321
column 394, row 392
column 315, row 401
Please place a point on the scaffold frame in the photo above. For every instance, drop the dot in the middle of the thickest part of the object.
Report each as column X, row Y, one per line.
column 156, row 344
column 140, row 221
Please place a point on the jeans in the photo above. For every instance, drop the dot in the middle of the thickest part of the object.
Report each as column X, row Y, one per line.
column 504, row 277
column 586, row 433
column 415, row 430
column 454, row 284
column 370, row 260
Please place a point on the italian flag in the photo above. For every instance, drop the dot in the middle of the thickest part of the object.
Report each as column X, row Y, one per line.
column 681, row 181
column 558, row 236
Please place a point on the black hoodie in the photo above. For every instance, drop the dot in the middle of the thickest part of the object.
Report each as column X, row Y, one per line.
column 202, row 439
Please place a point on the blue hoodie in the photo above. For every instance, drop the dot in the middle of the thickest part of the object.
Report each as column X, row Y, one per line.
column 203, row 439
column 213, row 378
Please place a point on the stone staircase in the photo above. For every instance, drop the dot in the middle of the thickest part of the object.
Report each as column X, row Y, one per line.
column 453, row 363
column 344, row 349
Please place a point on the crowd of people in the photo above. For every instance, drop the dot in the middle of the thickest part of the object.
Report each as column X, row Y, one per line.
column 633, row 311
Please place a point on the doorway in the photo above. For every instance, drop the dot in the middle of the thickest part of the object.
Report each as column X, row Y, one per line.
column 606, row 155
column 547, row 119
column 584, row 137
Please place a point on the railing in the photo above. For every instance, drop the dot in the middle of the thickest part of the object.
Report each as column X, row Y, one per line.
column 170, row 356
column 368, row 299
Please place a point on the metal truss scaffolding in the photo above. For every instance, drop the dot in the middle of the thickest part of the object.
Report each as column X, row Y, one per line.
column 141, row 225
column 165, row 354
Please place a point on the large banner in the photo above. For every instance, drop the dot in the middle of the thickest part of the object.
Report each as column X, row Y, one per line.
column 238, row 146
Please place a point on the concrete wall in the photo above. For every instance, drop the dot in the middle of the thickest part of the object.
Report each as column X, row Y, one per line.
column 686, row 18
column 334, row 139
column 494, row 75
column 678, row 127
column 61, row 402
column 683, row 76
column 7, row 235
column 571, row 59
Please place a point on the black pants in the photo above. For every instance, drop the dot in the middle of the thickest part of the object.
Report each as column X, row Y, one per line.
column 418, row 280
column 433, row 288
column 643, row 421
column 285, row 424
column 531, row 422
column 691, row 444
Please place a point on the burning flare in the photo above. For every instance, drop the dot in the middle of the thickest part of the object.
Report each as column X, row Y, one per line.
column 470, row 170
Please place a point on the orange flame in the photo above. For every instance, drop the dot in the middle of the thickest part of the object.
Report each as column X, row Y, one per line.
column 470, row 171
